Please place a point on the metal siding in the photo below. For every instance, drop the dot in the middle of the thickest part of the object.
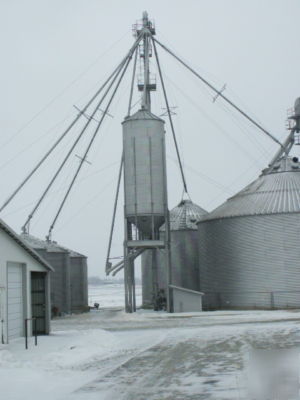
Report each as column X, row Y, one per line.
column 248, row 262
column 144, row 180
column 147, row 277
column 272, row 193
column 185, row 216
column 186, row 302
column 15, row 303
column 184, row 263
column 60, row 280
column 69, row 286
column 78, row 275
column 184, row 252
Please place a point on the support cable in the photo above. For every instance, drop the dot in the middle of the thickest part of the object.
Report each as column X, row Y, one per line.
column 132, row 82
column 212, row 121
column 218, row 92
column 70, row 84
column 114, row 214
column 90, row 143
column 15, row 192
column 170, row 117
column 90, row 118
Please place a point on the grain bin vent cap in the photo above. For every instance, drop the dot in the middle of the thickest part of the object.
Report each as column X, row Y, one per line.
column 185, row 216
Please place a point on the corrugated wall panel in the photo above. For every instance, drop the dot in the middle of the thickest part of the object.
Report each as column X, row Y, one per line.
column 248, row 262
column 184, row 261
column 60, row 280
column 78, row 277
column 15, row 300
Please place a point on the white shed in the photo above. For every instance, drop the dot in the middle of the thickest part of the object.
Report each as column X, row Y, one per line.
column 186, row 300
column 24, row 287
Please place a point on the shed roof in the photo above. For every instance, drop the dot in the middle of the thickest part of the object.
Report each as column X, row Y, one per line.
column 187, row 290
column 276, row 191
column 19, row 240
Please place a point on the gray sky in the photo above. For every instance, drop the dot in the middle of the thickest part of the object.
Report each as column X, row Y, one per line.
column 57, row 53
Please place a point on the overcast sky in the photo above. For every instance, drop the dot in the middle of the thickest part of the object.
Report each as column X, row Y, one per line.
column 55, row 54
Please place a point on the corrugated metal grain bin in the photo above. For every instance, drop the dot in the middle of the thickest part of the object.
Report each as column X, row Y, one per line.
column 249, row 253
column 79, row 282
column 184, row 254
column 69, row 287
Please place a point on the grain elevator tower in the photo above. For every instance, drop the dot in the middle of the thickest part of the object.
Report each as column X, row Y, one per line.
column 145, row 182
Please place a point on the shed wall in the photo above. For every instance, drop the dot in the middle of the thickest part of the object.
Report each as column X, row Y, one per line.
column 10, row 251
column 186, row 302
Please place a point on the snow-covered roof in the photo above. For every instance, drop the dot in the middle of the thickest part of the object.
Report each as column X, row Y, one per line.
column 19, row 240
column 182, row 289
column 49, row 246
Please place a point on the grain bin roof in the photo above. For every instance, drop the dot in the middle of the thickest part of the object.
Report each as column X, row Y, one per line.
column 143, row 115
column 274, row 192
column 49, row 246
column 185, row 216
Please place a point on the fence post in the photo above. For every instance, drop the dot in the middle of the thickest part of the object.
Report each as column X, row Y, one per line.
column 26, row 335
column 35, row 331
column 26, row 331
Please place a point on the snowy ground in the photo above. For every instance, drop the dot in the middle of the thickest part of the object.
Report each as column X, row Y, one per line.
column 111, row 295
column 110, row 355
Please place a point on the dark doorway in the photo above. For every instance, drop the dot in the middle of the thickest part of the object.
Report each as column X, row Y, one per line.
column 38, row 302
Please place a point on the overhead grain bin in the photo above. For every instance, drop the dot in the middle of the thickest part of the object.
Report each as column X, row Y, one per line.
column 69, row 287
column 144, row 172
column 249, row 253
column 184, row 254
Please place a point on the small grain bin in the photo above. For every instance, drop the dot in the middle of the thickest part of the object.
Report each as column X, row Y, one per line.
column 184, row 254
column 79, row 282
column 69, row 287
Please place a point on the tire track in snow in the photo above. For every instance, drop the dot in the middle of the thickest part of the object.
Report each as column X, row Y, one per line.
column 186, row 365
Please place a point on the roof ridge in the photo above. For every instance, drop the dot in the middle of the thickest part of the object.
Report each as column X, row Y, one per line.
column 23, row 244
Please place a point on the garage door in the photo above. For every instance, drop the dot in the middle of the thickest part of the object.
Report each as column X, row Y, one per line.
column 15, row 300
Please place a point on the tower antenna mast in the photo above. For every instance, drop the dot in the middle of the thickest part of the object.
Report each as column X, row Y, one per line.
column 145, row 85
